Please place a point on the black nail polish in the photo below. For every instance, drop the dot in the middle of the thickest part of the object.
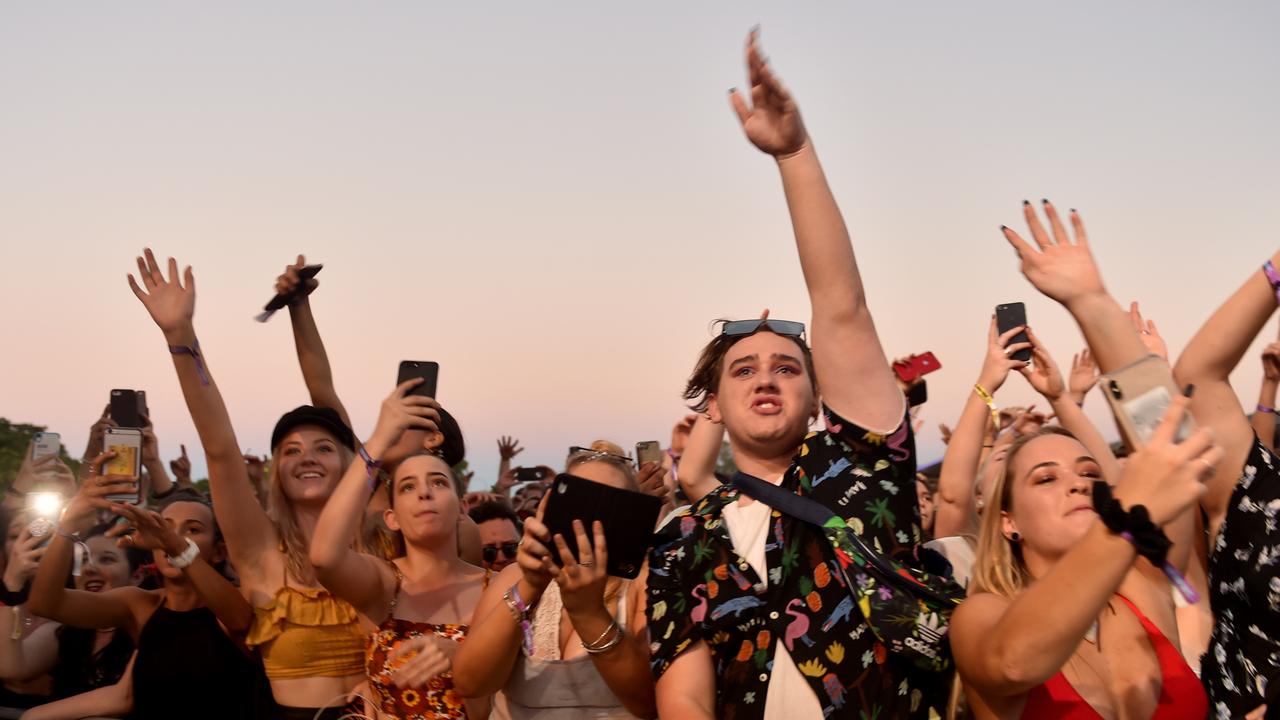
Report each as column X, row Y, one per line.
column 1026, row 203
column 1044, row 201
column 1073, row 209
column 1189, row 390
column 1003, row 228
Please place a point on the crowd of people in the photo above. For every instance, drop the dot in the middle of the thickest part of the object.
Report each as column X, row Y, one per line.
column 1038, row 572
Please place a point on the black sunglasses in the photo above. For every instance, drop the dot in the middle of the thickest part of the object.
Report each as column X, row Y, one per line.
column 490, row 552
column 738, row 328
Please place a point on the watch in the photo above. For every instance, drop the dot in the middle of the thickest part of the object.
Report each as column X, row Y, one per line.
column 187, row 557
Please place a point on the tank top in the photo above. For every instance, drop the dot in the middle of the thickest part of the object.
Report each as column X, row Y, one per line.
column 80, row 669
column 307, row 632
column 437, row 699
column 187, row 667
column 546, row 687
column 1181, row 696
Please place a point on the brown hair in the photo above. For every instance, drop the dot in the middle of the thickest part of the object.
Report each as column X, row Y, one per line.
column 705, row 380
column 999, row 567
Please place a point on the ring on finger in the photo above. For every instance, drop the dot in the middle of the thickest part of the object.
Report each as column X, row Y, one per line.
column 586, row 564
column 1008, row 351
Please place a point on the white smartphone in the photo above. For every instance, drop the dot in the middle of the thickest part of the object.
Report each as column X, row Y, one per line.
column 46, row 444
column 126, row 443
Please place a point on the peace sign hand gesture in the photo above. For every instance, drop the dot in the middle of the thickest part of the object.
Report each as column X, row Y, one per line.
column 772, row 123
column 172, row 306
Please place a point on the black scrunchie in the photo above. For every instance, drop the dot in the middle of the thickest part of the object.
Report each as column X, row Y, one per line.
column 1150, row 540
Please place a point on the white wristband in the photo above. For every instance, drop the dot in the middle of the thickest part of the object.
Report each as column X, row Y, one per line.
column 187, row 557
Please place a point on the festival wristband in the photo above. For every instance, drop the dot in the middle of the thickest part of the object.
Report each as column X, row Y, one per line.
column 1135, row 526
column 991, row 403
column 1264, row 409
column 371, row 466
column 194, row 351
column 1273, row 277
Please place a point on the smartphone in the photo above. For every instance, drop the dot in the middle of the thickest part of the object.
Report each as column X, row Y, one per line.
column 428, row 371
column 124, row 408
column 628, row 518
column 648, row 451
column 46, row 444
column 914, row 367
column 530, row 474
column 1139, row 394
column 1008, row 317
column 917, row 394
column 43, row 508
column 126, row 443
column 144, row 413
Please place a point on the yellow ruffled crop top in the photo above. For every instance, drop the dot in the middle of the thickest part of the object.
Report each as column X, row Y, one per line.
column 306, row 632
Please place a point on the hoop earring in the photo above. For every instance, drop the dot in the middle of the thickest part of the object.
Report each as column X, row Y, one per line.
column 1015, row 536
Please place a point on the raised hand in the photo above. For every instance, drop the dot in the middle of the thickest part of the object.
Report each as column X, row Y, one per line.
column 97, row 435
column 172, row 306
column 149, row 531
column 82, row 509
column 24, row 559
column 1060, row 269
column 1167, row 476
column 150, row 444
column 680, row 433
column 1043, row 374
column 772, row 123
column 1147, row 331
column 48, row 473
column 1084, row 375
column 508, row 447
column 652, row 480
column 401, row 412
column 999, row 359
column 582, row 581
column 289, row 282
column 181, row 467
column 1271, row 362
column 534, row 558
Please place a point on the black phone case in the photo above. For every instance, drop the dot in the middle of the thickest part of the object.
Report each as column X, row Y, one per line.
column 428, row 371
column 124, row 408
column 1011, row 316
column 628, row 518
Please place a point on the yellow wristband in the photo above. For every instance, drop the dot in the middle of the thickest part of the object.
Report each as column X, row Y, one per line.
column 991, row 403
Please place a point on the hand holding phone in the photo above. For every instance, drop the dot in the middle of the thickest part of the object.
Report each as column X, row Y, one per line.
column 1008, row 317
column 45, row 444
column 914, row 367
column 125, row 408
column 648, row 451
column 428, row 371
column 628, row 518
column 126, row 443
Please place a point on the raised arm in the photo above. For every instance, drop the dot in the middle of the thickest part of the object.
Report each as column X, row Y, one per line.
column 50, row 597
column 363, row 580
column 1208, row 360
column 312, row 358
column 152, row 532
column 852, row 369
column 508, row 448
column 955, row 497
column 694, row 464
column 110, row 701
column 172, row 305
column 161, row 485
column 24, row 656
column 1264, row 416
column 1004, row 647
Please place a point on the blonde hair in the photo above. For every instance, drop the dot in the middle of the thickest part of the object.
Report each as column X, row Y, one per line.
column 289, row 537
column 608, row 453
column 999, row 567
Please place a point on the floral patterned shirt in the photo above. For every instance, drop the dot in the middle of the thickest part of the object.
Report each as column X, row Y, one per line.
column 702, row 589
column 1244, row 593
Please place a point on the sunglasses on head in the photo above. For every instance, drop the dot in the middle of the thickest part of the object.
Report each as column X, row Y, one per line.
column 490, row 552
column 597, row 455
column 739, row 328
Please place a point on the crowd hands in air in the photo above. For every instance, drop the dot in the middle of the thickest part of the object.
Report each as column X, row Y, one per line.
column 1046, row 572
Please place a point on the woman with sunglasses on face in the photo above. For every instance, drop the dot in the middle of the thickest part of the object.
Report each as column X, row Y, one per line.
column 311, row 643
column 422, row 601
column 584, row 651
column 189, row 660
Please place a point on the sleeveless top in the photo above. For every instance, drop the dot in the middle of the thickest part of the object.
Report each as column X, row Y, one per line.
column 80, row 669
column 1181, row 697
column 306, row 632
column 187, row 667
column 545, row 687
column 1244, row 592
column 437, row 699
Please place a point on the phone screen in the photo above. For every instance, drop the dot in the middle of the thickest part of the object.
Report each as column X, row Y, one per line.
column 127, row 445
column 428, row 371
column 1146, row 410
column 1008, row 317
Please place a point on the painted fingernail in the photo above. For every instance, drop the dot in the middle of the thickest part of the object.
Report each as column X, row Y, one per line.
column 1073, row 210
column 1026, row 203
column 1004, row 228
column 1188, row 390
column 1044, row 201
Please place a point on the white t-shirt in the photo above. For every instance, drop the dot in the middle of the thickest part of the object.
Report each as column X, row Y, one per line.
column 789, row 696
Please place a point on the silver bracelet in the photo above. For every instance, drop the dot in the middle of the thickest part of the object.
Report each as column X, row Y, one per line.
column 596, row 648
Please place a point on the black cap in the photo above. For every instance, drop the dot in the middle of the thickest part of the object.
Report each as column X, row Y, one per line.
column 326, row 418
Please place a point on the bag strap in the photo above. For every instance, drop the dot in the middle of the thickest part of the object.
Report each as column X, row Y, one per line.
column 817, row 514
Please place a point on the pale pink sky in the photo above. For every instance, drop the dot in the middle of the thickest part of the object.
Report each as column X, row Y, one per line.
column 553, row 201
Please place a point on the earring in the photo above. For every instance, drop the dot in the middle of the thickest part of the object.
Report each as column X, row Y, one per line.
column 1015, row 536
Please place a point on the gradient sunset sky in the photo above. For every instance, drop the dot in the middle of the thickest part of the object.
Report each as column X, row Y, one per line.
column 554, row 199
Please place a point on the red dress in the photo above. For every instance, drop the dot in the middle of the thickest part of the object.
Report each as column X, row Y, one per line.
column 1182, row 696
